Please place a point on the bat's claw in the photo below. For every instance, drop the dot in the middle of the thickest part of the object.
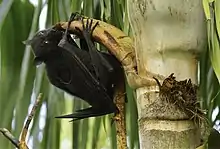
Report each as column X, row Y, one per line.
column 74, row 16
column 88, row 28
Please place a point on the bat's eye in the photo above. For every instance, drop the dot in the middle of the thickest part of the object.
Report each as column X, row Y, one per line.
column 46, row 42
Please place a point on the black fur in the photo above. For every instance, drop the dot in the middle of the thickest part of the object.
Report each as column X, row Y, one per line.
column 86, row 73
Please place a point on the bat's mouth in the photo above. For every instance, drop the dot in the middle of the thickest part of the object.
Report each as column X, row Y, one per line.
column 37, row 61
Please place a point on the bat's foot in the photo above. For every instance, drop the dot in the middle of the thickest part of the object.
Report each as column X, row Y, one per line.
column 87, row 28
column 86, row 113
column 74, row 16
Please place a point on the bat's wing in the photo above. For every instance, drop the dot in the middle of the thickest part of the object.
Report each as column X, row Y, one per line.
column 84, row 113
column 104, row 104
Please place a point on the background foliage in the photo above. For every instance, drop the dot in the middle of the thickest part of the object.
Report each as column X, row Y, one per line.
column 20, row 81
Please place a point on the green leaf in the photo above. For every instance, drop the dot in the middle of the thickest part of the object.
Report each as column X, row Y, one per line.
column 206, row 9
column 217, row 18
column 4, row 9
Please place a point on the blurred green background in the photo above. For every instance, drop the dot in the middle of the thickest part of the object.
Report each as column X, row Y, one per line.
column 21, row 81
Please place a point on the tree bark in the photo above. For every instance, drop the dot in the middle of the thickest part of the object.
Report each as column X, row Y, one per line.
column 168, row 36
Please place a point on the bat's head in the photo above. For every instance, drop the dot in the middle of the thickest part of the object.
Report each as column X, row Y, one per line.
column 43, row 43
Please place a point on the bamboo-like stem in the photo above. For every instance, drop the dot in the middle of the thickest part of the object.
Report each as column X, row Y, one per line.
column 22, row 143
column 9, row 136
column 119, row 118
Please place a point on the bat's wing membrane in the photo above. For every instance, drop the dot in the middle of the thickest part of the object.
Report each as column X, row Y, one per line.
column 84, row 113
column 91, row 83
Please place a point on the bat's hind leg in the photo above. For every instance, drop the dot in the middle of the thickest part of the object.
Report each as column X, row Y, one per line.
column 97, row 59
column 86, row 113
column 74, row 16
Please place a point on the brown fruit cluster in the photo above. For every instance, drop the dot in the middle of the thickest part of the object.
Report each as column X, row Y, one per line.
column 184, row 95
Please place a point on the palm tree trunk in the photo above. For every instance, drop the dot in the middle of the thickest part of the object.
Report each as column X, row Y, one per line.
column 168, row 36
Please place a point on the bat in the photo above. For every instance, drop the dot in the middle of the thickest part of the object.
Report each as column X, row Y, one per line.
column 86, row 73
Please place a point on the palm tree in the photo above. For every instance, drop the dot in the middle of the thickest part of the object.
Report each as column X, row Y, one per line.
column 169, row 36
column 21, row 82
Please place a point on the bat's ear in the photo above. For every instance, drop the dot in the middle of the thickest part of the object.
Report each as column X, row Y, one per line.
column 27, row 42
